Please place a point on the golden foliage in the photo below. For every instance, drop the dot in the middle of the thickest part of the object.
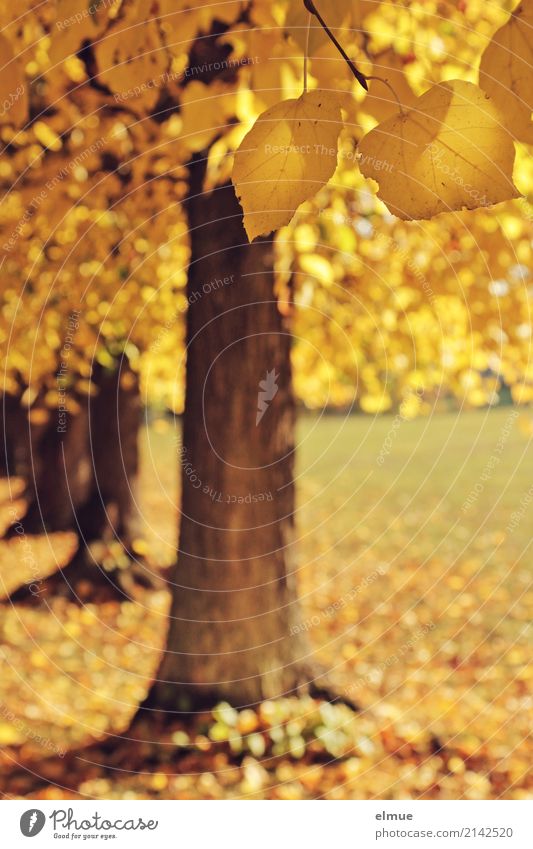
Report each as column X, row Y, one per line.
column 285, row 158
column 506, row 72
column 92, row 186
column 13, row 89
column 449, row 151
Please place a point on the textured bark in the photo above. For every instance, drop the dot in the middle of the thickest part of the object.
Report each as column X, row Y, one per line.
column 61, row 471
column 81, row 471
column 234, row 594
column 14, row 438
column 114, row 414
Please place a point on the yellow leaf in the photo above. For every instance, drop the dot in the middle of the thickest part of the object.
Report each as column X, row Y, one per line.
column 77, row 21
column 267, row 72
column 46, row 135
column 288, row 155
column 13, row 89
column 318, row 267
column 449, row 152
column 507, row 69
column 205, row 110
column 133, row 61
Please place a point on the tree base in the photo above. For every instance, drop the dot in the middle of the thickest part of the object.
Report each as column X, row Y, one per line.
column 166, row 700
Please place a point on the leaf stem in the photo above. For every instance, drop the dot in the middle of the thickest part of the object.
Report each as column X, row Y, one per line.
column 361, row 79
column 387, row 83
column 306, row 54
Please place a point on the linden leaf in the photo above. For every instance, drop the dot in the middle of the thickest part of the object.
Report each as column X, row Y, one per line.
column 132, row 61
column 448, row 152
column 13, row 90
column 288, row 155
column 205, row 111
column 77, row 21
column 506, row 69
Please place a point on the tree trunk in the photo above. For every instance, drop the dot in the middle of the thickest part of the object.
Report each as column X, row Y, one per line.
column 60, row 476
column 81, row 470
column 234, row 593
column 112, row 511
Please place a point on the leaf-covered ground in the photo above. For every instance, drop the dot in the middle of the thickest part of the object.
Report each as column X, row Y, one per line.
column 415, row 577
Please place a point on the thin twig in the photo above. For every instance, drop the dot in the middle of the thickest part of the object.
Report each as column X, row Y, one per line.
column 361, row 79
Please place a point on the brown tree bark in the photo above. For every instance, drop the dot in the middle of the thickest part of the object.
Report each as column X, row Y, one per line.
column 234, row 594
column 60, row 477
column 114, row 415
column 81, row 471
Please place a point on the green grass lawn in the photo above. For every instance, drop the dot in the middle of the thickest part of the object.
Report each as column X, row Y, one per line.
column 439, row 639
column 432, row 487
